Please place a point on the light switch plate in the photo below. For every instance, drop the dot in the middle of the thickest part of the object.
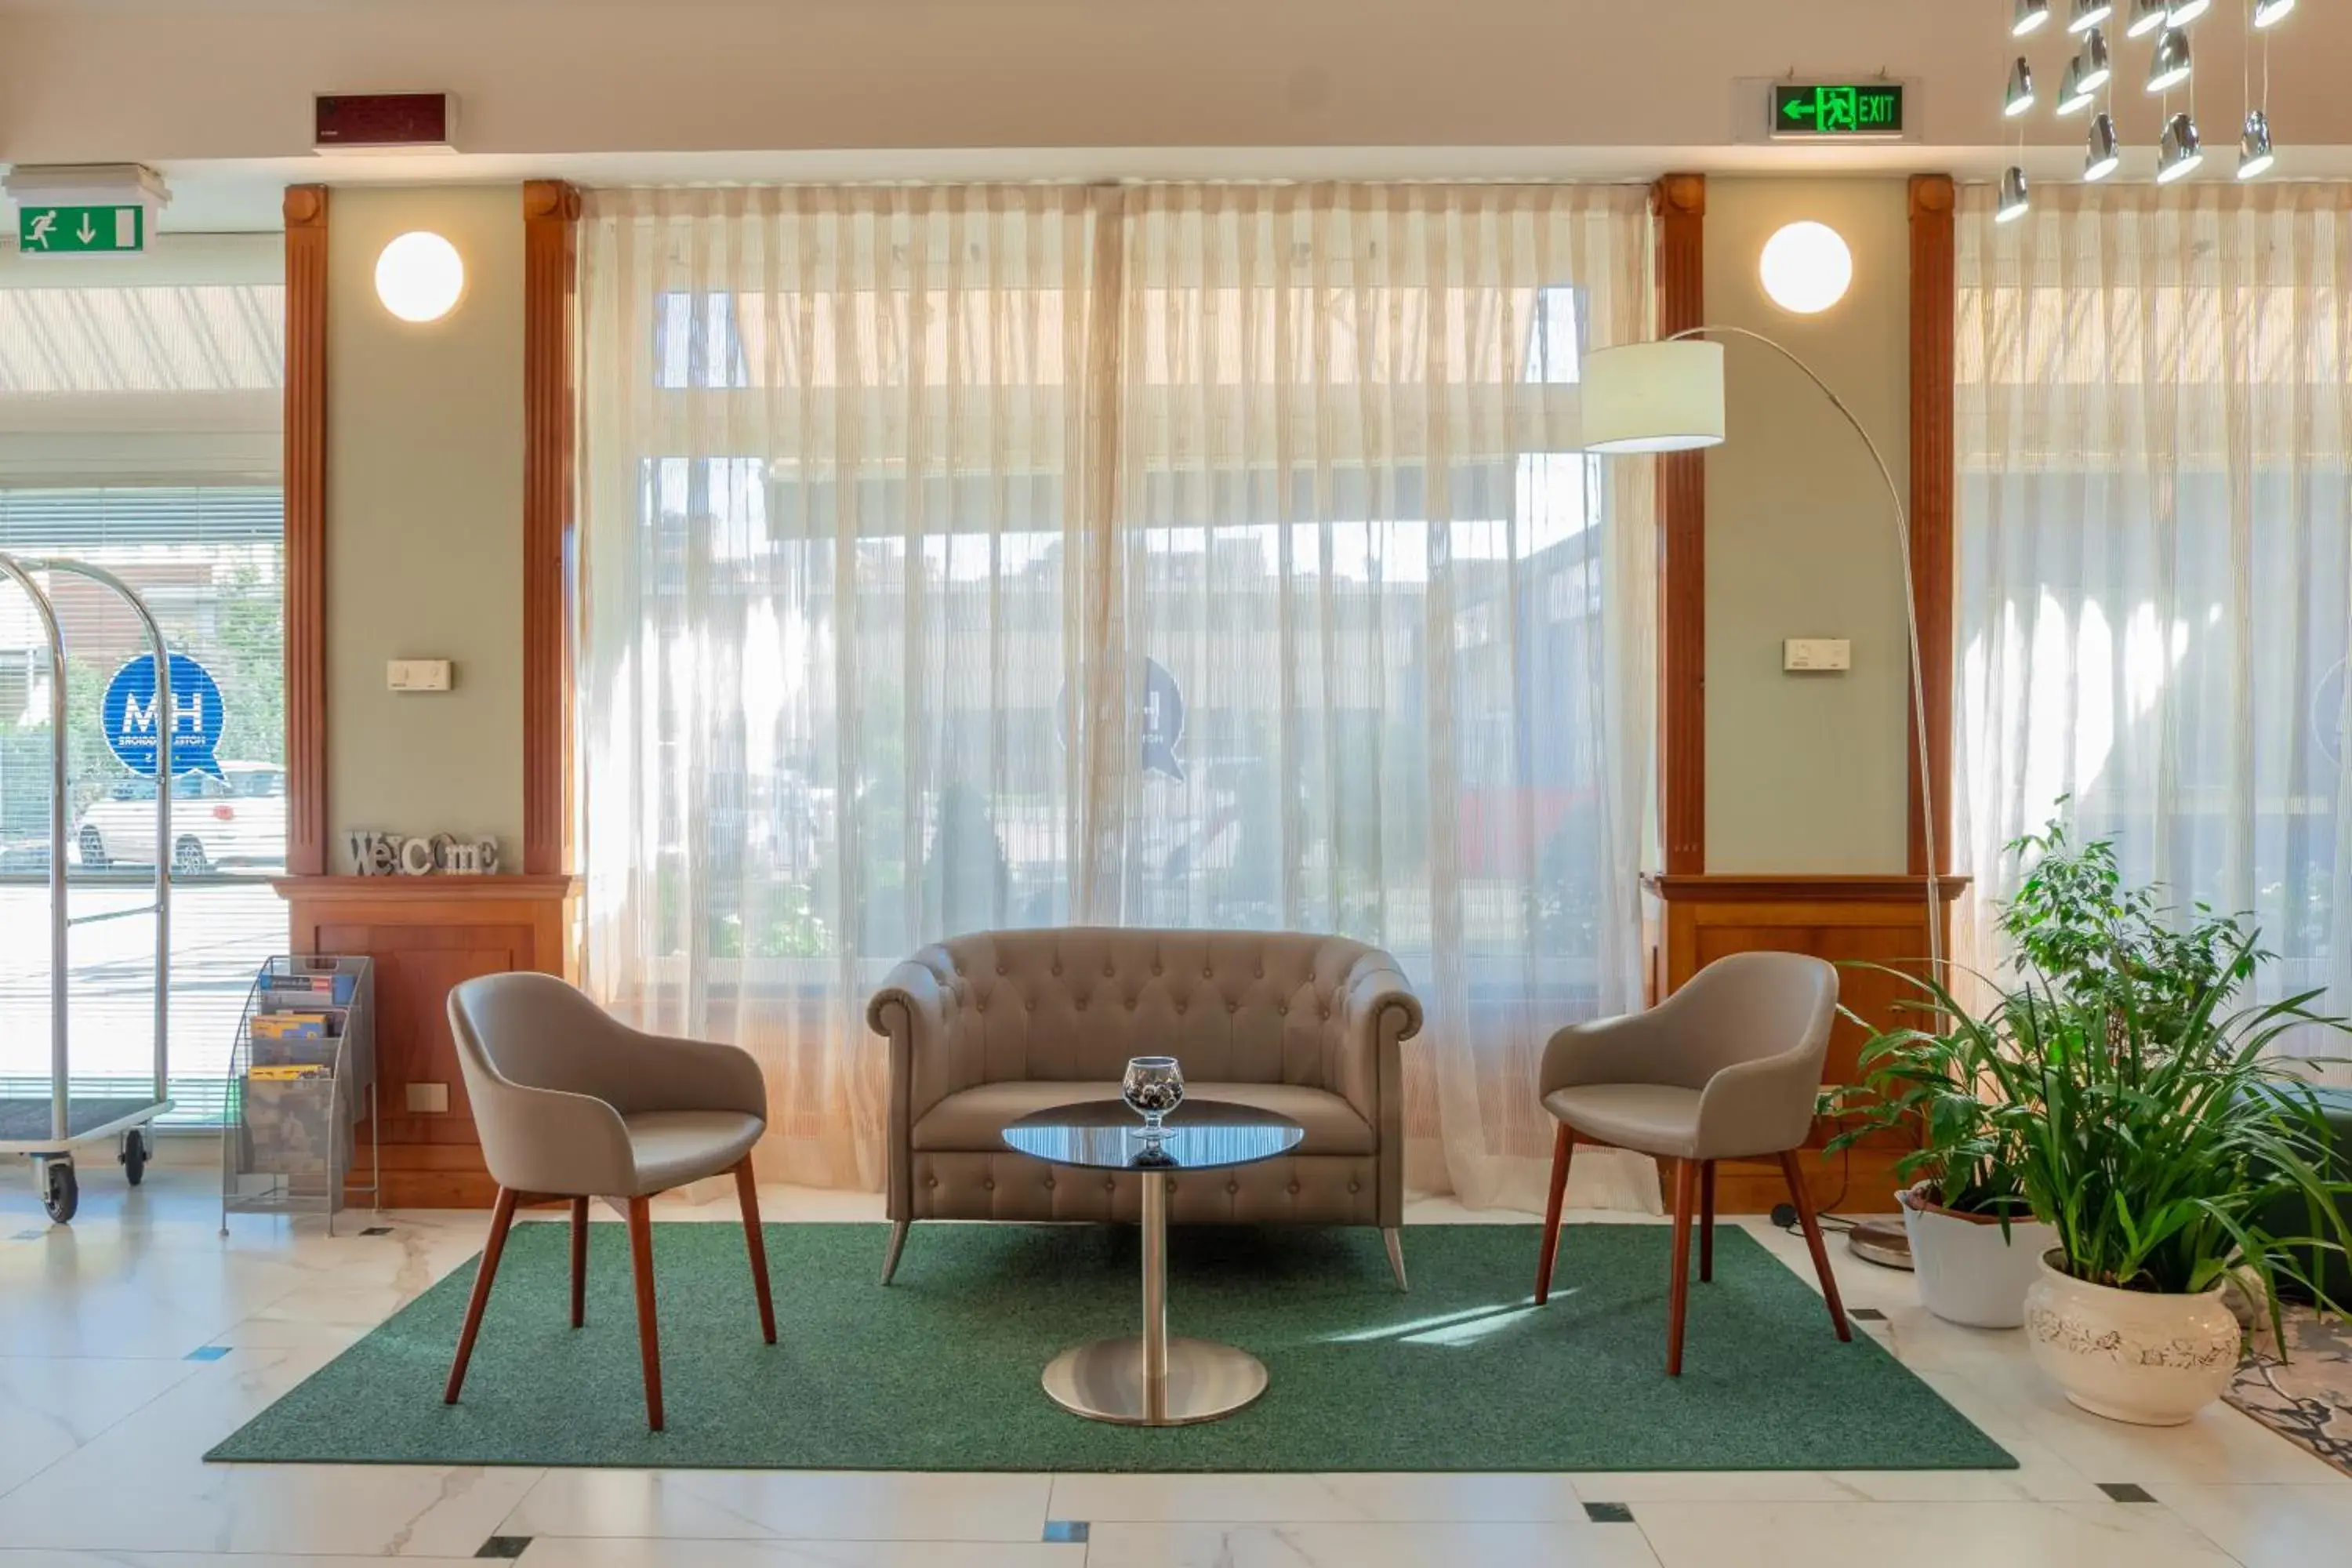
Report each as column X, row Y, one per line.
column 428, row 1099
column 417, row 675
column 1817, row 654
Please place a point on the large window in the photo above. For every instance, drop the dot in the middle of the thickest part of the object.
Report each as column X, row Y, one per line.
column 140, row 407
column 1166, row 556
column 2154, row 435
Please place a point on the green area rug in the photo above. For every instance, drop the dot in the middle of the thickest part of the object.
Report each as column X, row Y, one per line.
column 940, row 1372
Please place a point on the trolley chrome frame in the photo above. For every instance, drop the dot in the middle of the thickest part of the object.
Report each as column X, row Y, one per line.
column 58, row 1147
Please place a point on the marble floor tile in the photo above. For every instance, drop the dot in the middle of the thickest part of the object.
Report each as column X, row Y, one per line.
column 557, row 1552
column 2267, row 1526
column 1302, row 1499
column 783, row 1504
column 1362, row 1545
column 50, row 1406
column 1922, row 1535
column 185, row 1504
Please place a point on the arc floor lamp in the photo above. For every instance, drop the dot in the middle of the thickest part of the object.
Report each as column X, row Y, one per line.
column 1667, row 397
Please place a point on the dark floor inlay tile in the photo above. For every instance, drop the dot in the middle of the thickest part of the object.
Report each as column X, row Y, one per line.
column 2126, row 1491
column 504, row 1546
column 1064, row 1529
column 1609, row 1513
column 1867, row 1315
column 377, row 1230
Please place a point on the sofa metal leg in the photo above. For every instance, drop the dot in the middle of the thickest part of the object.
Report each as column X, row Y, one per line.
column 898, row 1244
column 1395, row 1240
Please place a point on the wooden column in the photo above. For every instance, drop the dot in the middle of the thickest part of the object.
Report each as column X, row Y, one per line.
column 1680, row 203
column 306, row 530
column 1934, row 300
column 551, row 212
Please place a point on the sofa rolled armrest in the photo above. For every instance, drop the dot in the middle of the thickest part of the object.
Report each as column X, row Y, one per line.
column 916, row 1014
column 1378, row 1012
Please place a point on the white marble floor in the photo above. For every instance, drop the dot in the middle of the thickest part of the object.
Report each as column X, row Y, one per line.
column 134, row 1339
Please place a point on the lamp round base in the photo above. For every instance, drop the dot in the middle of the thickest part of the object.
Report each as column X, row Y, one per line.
column 1104, row 1382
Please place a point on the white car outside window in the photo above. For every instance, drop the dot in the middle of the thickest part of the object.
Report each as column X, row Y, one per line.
column 236, row 819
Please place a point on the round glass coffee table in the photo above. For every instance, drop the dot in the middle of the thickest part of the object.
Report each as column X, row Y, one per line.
column 1148, row 1379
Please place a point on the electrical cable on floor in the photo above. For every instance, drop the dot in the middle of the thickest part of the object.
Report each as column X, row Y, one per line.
column 1785, row 1214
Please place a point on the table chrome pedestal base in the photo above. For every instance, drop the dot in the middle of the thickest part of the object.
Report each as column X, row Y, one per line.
column 1104, row 1382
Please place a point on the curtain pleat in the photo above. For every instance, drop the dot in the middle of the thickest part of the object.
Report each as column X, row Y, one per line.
column 2155, row 564
column 958, row 558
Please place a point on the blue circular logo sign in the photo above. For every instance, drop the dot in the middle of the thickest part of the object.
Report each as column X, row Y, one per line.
column 136, row 725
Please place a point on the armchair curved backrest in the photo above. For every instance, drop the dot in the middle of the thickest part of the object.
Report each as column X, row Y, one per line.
column 1747, row 1007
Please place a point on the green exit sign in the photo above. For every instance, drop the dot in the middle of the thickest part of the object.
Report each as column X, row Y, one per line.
column 1838, row 111
column 65, row 231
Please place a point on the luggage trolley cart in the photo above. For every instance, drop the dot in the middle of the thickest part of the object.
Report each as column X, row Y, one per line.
column 49, row 1130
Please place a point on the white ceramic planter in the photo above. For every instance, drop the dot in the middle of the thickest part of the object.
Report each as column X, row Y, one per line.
column 2131, row 1356
column 1968, row 1270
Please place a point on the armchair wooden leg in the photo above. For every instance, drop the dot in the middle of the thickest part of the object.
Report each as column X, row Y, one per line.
column 1678, row 1291
column 579, row 1261
column 501, row 1218
column 1803, row 1199
column 1563, row 1149
column 1706, row 1221
column 748, row 1192
column 641, row 1259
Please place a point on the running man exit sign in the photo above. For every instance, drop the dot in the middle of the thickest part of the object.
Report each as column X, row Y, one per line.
column 1839, row 111
column 44, row 231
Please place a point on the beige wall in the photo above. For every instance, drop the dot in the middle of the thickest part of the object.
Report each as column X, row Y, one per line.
column 1805, row 772
column 424, row 524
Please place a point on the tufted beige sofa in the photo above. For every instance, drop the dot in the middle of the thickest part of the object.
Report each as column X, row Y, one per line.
column 987, row 1027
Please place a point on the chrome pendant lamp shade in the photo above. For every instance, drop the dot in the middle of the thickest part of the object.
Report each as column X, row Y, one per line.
column 2015, row 199
column 2093, row 61
column 2089, row 14
column 2021, row 88
column 2170, row 67
column 2180, row 151
column 2181, row 13
column 2271, row 12
column 2100, row 158
column 2147, row 16
column 2030, row 17
column 2075, row 94
column 2255, row 155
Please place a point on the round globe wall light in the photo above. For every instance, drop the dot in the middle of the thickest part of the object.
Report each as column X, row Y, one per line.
column 1806, row 267
column 419, row 277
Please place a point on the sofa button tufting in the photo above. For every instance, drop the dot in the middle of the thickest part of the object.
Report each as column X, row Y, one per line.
column 1131, row 1004
column 1049, row 1183
column 1282, row 1009
column 1000, row 969
column 1155, row 966
column 1080, row 1003
column 1354, row 1186
column 1294, row 1189
column 1109, row 1183
column 1030, row 1006
column 930, row 1181
column 1058, row 966
column 1182, row 1005
column 1233, row 1007
column 1231, row 1185
column 988, row 1184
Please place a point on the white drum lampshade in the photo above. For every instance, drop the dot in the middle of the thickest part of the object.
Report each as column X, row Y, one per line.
column 1653, row 397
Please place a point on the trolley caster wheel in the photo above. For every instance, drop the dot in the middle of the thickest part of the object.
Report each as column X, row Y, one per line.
column 134, row 1156
column 60, row 1193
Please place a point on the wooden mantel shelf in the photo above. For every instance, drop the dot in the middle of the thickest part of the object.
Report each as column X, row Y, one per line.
column 436, row 888
column 1781, row 886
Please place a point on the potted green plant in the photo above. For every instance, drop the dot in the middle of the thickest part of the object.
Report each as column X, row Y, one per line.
column 2141, row 1112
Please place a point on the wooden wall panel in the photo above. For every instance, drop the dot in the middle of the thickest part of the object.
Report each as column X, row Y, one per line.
column 425, row 934
column 306, row 530
column 1680, row 204
column 1933, row 302
column 1846, row 921
column 550, row 211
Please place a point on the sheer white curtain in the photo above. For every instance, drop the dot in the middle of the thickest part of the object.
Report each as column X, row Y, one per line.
column 1182, row 555
column 2155, row 437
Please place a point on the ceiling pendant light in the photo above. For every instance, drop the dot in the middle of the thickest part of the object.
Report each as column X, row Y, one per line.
column 2255, row 154
column 2031, row 16
column 2147, row 16
column 2075, row 95
column 2170, row 69
column 2271, row 12
column 2021, row 88
column 2100, row 159
column 2180, row 151
column 2014, row 200
column 2092, row 58
column 2182, row 12
column 2089, row 14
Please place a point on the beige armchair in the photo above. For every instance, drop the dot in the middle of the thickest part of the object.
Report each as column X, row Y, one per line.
column 1729, row 1067
column 570, row 1103
column 988, row 1027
